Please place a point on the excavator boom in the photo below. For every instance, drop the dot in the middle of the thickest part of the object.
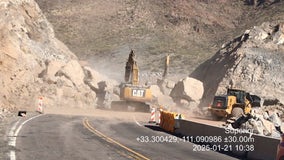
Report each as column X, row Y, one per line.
column 131, row 70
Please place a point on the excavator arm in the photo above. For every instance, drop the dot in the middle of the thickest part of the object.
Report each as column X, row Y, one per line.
column 131, row 70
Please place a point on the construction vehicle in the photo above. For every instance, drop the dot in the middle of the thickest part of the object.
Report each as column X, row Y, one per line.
column 234, row 104
column 132, row 94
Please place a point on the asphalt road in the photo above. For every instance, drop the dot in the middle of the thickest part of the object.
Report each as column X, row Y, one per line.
column 59, row 137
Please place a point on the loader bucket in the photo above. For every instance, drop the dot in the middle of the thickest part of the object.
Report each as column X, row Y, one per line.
column 255, row 101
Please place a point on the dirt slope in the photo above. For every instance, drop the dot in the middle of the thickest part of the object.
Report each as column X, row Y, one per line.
column 192, row 31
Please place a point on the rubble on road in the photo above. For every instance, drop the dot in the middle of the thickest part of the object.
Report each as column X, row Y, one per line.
column 261, row 122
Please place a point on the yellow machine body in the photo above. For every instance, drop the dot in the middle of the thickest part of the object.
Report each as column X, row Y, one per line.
column 234, row 104
column 135, row 93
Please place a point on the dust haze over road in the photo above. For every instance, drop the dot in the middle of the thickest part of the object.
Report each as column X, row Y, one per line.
column 113, row 65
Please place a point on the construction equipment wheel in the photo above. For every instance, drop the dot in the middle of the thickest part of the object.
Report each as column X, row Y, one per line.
column 216, row 117
column 237, row 112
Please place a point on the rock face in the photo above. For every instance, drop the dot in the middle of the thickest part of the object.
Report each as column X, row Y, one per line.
column 188, row 89
column 72, row 71
column 252, row 62
column 34, row 63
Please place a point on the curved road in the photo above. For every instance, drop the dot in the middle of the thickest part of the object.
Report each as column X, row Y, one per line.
column 54, row 137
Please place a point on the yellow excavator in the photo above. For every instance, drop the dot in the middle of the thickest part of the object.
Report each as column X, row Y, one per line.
column 132, row 94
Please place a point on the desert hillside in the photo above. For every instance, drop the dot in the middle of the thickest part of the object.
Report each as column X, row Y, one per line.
column 103, row 31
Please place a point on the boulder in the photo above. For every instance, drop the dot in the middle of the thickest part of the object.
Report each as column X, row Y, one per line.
column 93, row 78
column 260, row 122
column 105, row 94
column 53, row 67
column 90, row 77
column 68, row 96
column 72, row 71
column 170, row 84
column 189, row 89
column 279, row 36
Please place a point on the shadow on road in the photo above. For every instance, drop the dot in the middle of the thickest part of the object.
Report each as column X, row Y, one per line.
column 155, row 128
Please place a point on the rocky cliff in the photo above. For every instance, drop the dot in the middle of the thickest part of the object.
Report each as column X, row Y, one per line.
column 34, row 63
column 252, row 61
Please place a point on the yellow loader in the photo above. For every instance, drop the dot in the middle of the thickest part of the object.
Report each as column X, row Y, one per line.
column 234, row 104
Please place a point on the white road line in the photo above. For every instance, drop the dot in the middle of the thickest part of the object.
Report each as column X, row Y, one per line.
column 13, row 135
column 12, row 155
column 137, row 122
column 20, row 127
